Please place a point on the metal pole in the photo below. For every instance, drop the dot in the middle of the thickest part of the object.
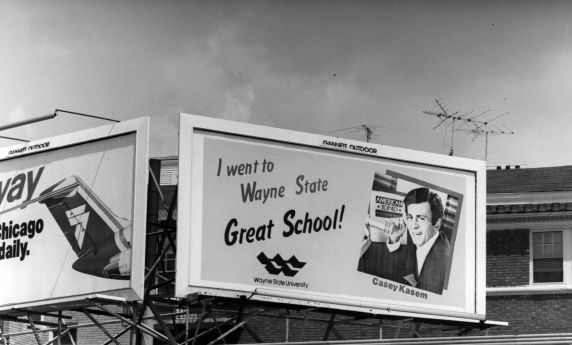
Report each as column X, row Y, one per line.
column 115, row 337
column 95, row 322
column 28, row 121
column 59, row 336
column 287, row 329
column 223, row 335
column 187, row 322
column 3, row 340
column 59, row 327
column 133, row 337
column 162, row 323
column 34, row 329
column 142, row 327
column 486, row 145
column 303, row 331
column 86, row 115
column 12, row 138
column 199, row 322
column 330, row 326
column 452, row 138
column 252, row 333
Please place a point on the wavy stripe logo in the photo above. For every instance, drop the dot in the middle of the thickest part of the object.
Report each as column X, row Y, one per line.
column 278, row 265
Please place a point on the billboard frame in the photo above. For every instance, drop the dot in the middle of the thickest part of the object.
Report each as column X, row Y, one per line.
column 190, row 198
column 138, row 127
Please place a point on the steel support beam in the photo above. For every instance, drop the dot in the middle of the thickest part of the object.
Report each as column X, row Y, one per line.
column 36, row 335
column 95, row 322
column 143, row 328
column 162, row 323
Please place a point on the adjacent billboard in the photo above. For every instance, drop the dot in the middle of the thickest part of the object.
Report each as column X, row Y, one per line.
column 72, row 216
column 291, row 217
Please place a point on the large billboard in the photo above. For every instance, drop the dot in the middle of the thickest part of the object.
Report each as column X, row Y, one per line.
column 290, row 217
column 72, row 216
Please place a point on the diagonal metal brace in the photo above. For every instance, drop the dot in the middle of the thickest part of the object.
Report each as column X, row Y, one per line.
column 100, row 326
column 159, row 318
column 143, row 328
column 31, row 321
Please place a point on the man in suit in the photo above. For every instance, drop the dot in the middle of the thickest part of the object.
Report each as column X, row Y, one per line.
column 424, row 261
column 424, row 217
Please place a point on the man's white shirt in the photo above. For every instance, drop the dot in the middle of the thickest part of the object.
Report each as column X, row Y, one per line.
column 423, row 251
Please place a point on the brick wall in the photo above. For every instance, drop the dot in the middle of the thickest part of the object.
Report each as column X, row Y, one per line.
column 273, row 329
column 508, row 253
column 531, row 314
column 94, row 335
column 15, row 328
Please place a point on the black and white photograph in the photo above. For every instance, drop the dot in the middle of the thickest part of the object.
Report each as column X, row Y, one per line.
column 294, row 171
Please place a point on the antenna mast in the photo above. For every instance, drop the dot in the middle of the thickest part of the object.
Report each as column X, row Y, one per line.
column 368, row 129
column 480, row 127
column 486, row 129
column 368, row 133
column 445, row 117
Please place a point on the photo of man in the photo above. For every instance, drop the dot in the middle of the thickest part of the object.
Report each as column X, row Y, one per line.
column 424, row 214
column 415, row 249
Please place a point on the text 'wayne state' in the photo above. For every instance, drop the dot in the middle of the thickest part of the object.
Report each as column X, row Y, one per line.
column 254, row 192
column 239, row 234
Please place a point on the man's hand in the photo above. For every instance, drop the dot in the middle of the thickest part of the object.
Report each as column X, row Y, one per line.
column 393, row 227
column 399, row 228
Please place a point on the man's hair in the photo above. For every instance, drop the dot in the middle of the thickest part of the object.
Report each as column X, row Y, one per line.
column 420, row 195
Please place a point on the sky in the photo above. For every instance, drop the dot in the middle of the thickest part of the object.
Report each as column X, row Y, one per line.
column 313, row 66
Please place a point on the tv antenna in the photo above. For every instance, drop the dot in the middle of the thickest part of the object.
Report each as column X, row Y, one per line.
column 487, row 128
column 480, row 127
column 447, row 118
column 368, row 131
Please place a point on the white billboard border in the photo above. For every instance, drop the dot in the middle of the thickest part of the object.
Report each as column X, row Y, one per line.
column 139, row 127
column 189, row 199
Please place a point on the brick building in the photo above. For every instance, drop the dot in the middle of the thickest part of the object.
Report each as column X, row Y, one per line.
column 529, row 249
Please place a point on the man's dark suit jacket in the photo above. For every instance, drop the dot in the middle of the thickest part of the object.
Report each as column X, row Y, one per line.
column 401, row 265
column 379, row 261
column 435, row 267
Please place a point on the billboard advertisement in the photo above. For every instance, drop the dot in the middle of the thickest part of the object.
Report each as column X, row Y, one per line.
column 72, row 216
column 291, row 217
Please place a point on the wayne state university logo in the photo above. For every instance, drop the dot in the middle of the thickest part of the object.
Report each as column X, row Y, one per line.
column 278, row 265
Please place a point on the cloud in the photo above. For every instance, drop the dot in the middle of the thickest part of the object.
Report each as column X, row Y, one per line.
column 238, row 104
column 16, row 113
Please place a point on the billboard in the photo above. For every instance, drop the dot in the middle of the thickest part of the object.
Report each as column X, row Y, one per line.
column 290, row 217
column 72, row 216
